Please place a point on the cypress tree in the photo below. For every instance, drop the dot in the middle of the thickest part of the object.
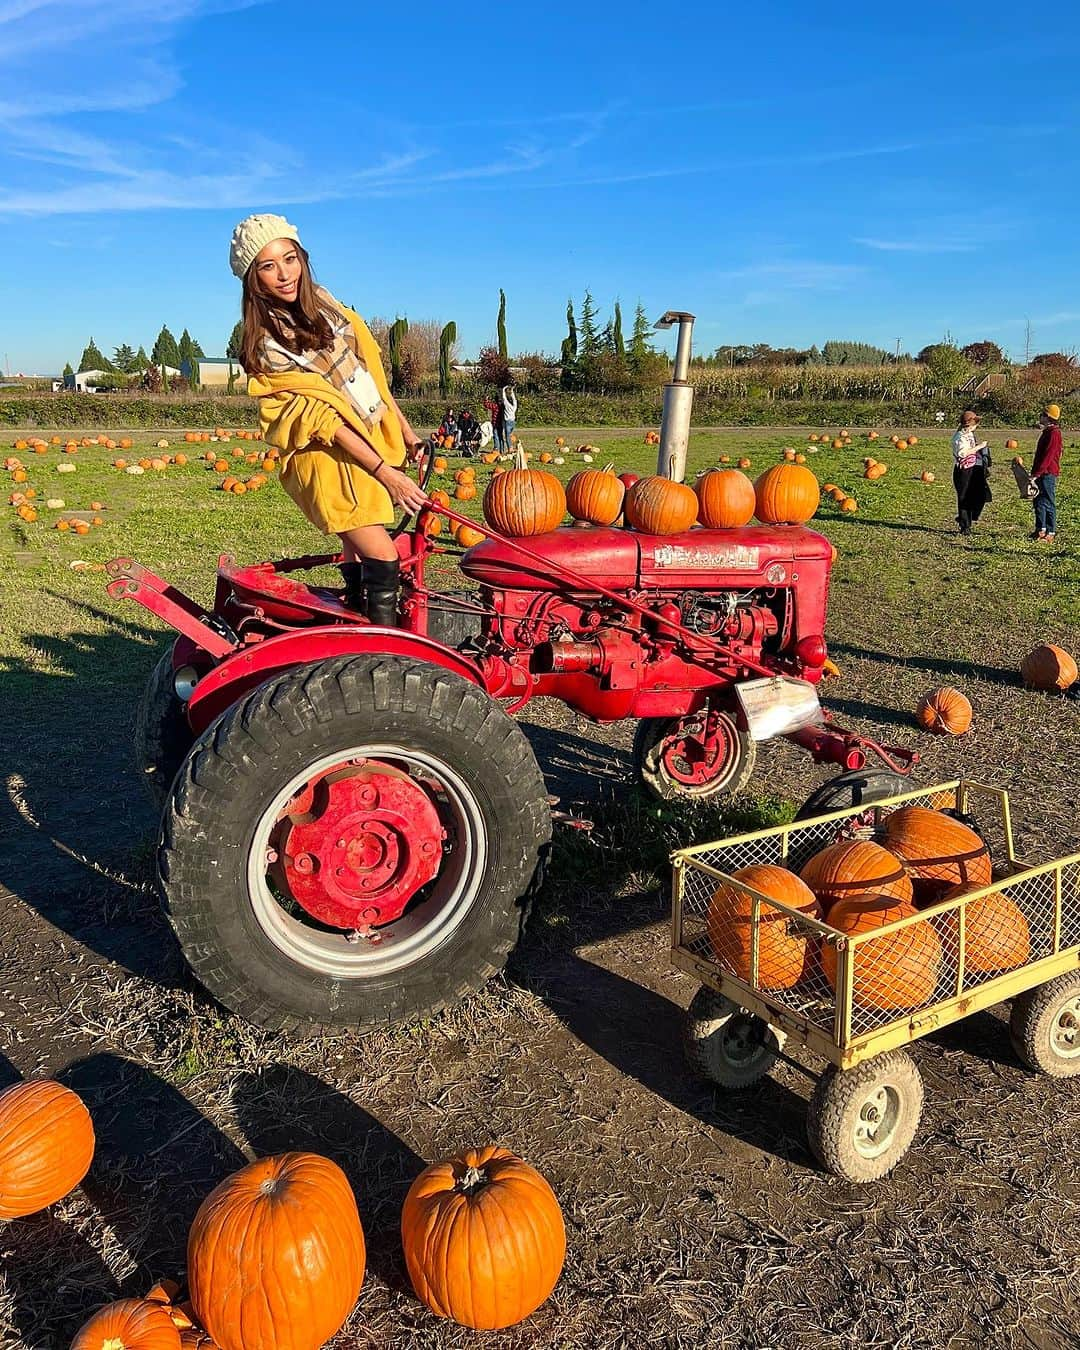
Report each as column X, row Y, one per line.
column 165, row 350
column 568, row 353
column 620, row 345
column 398, row 329
column 447, row 338
column 502, row 324
column 92, row 358
column 639, row 340
column 236, row 339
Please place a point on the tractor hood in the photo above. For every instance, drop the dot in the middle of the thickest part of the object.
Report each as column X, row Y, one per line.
column 700, row 559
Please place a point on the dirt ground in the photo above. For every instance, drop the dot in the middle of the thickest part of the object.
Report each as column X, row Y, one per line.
column 693, row 1219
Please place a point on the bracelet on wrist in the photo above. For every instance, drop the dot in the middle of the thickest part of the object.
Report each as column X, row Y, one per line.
column 375, row 471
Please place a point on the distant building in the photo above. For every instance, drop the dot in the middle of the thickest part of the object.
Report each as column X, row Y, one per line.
column 214, row 372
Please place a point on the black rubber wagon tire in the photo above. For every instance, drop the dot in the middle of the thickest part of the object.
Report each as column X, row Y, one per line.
column 274, row 966
column 1044, row 1027
column 732, row 1048
column 861, row 1121
column 854, row 788
column 162, row 735
column 649, row 767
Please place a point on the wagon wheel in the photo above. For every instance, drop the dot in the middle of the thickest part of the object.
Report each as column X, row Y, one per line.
column 861, row 1121
column 1045, row 1027
column 855, row 787
column 353, row 844
column 702, row 755
column 731, row 1047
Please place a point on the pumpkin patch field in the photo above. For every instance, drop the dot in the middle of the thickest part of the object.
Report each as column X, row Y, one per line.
column 689, row 1217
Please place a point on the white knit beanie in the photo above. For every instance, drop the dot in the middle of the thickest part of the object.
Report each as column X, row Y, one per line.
column 252, row 235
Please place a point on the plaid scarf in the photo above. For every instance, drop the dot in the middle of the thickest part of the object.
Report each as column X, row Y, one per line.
column 336, row 363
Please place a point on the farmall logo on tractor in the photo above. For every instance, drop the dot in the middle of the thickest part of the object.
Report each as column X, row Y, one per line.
column 741, row 556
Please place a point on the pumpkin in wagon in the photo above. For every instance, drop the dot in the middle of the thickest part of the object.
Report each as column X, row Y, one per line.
column 895, row 972
column 785, row 952
column 856, row 867
column 484, row 1238
column 996, row 933
column 936, row 847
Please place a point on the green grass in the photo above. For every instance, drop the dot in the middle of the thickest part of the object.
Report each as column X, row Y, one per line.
column 903, row 582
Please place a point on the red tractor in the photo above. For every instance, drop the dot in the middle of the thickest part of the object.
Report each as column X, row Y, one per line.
column 353, row 825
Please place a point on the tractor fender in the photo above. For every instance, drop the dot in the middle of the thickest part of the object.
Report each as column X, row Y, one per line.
column 237, row 675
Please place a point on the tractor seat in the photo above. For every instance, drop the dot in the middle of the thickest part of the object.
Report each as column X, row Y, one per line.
column 283, row 598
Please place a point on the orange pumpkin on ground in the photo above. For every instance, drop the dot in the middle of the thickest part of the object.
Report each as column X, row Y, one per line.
column 1048, row 668
column 936, row 847
column 595, row 496
column 927, row 476
column 46, row 1145
column 895, row 972
column 484, row 1238
column 439, row 497
column 1010, row 444
column 524, row 501
column 856, row 867
column 439, row 464
column 180, row 458
column 657, row 505
column 276, row 1255
column 744, row 463
column 726, row 499
column 944, row 710
column 468, row 535
column 465, row 492
column 996, row 933
column 221, row 465
column 849, row 504
column 786, row 494
column 913, row 440
column 130, row 1324
column 785, row 952
column 465, row 476
column 838, row 444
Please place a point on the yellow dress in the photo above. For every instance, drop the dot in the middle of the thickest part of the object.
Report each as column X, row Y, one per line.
column 300, row 412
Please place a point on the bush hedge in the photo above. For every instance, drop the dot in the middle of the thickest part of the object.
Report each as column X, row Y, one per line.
column 1013, row 405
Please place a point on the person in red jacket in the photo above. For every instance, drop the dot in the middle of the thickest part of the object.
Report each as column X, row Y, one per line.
column 1044, row 472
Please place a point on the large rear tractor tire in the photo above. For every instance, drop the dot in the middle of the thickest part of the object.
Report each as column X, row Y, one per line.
column 352, row 845
column 162, row 735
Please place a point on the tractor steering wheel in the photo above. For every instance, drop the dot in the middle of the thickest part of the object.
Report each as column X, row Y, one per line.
column 427, row 466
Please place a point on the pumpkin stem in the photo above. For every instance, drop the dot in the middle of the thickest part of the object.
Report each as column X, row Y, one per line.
column 609, row 468
column 113, row 1343
column 520, row 461
column 474, row 1178
column 269, row 1186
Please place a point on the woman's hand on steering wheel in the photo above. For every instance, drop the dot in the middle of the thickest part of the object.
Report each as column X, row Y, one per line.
column 403, row 491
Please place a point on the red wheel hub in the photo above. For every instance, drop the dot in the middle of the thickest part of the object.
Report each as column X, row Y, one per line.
column 356, row 844
column 700, row 749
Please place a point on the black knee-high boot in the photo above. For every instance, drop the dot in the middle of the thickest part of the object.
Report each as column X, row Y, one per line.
column 381, row 582
column 352, row 573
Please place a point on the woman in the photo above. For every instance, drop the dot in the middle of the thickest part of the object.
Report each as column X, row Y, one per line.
column 509, row 414
column 972, row 461
column 1045, row 469
column 325, row 403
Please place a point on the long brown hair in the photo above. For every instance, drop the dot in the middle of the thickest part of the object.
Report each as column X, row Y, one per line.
column 310, row 332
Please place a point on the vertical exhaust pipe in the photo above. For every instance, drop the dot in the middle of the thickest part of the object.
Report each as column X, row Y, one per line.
column 678, row 401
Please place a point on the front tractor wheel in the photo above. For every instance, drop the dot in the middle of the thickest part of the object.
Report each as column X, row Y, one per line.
column 702, row 755
column 350, row 845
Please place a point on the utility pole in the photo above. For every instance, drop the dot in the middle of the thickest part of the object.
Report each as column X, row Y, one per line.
column 1027, row 342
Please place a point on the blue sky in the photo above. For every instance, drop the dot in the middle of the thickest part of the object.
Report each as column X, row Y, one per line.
column 789, row 172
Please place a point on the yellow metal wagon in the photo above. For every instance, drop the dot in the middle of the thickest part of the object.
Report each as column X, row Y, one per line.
column 842, row 1002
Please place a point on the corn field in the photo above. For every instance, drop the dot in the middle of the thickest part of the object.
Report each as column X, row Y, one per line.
column 862, row 383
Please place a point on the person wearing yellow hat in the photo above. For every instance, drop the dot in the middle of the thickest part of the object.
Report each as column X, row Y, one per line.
column 1045, row 469
column 324, row 402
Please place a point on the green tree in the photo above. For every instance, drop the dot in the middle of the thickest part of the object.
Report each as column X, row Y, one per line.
column 92, row 358
column 948, row 365
column 617, row 333
column 184, row 347
column 589, row 347
column 236, row 340
column 196, row 348
column 984, row 354
column 640, row 347
column 398, row 329
column 124, row 358
column 67, row 369
column 502, row 325
column 194, row 377
column 142, row 361
column 568, row 378
column 165, row 351
column 447, row 338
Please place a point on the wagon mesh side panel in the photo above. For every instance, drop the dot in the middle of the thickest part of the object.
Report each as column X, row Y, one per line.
column 896, row 975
